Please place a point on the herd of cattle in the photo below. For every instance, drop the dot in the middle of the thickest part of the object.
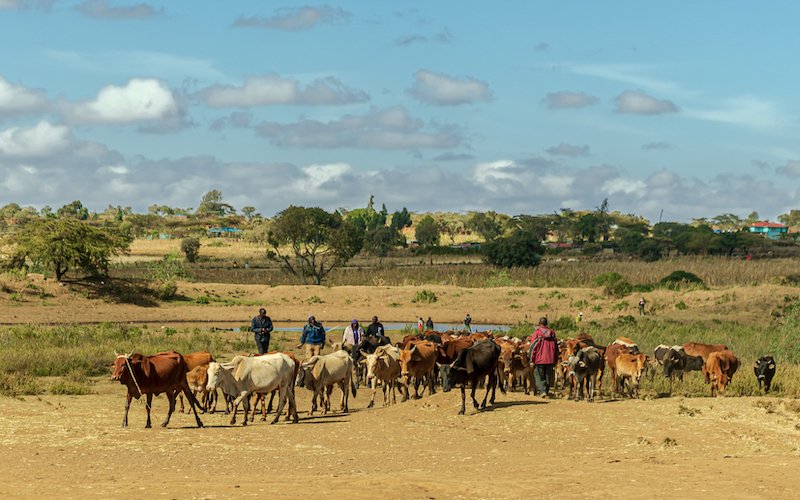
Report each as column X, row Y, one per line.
column 428, row 360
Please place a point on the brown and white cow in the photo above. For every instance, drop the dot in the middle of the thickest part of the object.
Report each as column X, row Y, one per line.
column 630, row 367
column 383, row 365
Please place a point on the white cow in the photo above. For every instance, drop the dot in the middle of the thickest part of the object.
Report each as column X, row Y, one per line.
column 383, row 365
column 319, row 373
column 262, row 374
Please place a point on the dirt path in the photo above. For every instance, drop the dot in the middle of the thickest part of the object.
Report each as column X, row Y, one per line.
column 236, row 304
column 670, row 448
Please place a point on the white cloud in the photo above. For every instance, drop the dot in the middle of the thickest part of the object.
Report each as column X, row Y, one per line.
column 745, row 110
column 569, row 150
column 639, row 103
column 387, row 128
column 275, row 89
column 16, row 98
column 444, row 90
column 102, row 9
column 791, row 169
column 41, row 140
column 627, row 186
column 139, row 100
column 26, row 4
column 566, row 100
column 296, row 18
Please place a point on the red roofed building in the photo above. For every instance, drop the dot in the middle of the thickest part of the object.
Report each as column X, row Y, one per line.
column 771, row 230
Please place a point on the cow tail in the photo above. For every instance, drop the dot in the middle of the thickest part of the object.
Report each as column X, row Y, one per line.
column 353, row 379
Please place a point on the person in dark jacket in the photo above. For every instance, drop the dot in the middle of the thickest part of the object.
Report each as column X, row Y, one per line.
column 429, row 324
column 544, row 355
column 262, row 328
column 375, row 329
column 313, row 337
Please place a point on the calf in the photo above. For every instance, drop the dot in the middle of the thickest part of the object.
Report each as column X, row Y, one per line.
column 197, row 380
column 720, row 367
column 320, row 373
column 473, row 365
column 418, row 361
column 676, row 362
column 193, row 360
column 630, row 367
column 765, row 371
column 163, row 373
column 383, row 365
column 368, row 345
column 584, row 367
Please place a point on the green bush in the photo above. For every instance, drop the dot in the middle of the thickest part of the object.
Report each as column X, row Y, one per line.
column 681, row 306
column 614, row 284
column 166, row 289
column 191, row 248
column 521, row 249
column 424, row 297
column 16, row 384
column 681, row 279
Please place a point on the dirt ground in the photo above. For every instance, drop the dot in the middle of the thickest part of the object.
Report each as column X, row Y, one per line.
column 72, row 446
column 234, row 305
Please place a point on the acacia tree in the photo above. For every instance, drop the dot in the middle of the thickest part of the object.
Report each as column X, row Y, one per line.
column 310, row 242
column 64, row 244
column 427, row 231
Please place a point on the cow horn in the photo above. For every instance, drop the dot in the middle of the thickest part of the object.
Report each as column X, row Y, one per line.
column 116, row 353
column 129, row 355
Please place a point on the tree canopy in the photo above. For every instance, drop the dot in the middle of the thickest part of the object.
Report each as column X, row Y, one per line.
column 64, row 244
column 310, row 242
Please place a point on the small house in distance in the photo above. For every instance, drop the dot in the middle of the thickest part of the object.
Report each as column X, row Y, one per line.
column 771, row 230
column 227, row 232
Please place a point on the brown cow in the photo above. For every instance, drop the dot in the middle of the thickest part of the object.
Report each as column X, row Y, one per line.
column 164, row 372
column 193, row 360
column 612, row 352
column 448, row 351
column 720, row 367
column 702, row 350
column 197, row 380
column 630, row 367
column 418, row 360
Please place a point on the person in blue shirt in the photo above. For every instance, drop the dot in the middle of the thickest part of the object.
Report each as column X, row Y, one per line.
column 262, row 328
column 313, row 337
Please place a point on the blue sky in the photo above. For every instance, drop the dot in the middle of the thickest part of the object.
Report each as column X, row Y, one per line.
column 518, row 107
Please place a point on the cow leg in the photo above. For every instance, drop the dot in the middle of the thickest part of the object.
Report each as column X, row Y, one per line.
column 343, row 407
column 171, row 396
column 235, row 404
column 282, row 396
column 181, row 395
column 128, row 398
column 416, row 388
column 374, row 385
column 431, row 388
column 148, row 405
column 472, row 393
column 269, row 406
column 252, row 416
column 463, row 398
column 492, row 384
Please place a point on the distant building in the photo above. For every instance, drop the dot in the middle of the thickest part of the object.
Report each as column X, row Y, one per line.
column 771, row 230
column 230, row 232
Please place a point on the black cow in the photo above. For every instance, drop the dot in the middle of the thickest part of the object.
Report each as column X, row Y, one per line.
column 659, row 352
column 676, row 362
column 583, row 367
column 765, row 371
column 471, row 366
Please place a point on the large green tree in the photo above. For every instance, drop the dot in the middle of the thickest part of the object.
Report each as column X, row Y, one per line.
column 427, row 231
column 212, row 204
column 310, row 242
column 64, row 244
column 520, row 249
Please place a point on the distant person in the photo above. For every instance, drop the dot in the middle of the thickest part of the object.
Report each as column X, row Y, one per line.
column 375, row 329
column 429, row 324
column 544, row 355
column 468, row 323
column 579, row 318
column 353, row 335
column 235, row 264
column 262, row 328
column 420, row 325
column 313, row 337
column 246, row 265
column 641, row 306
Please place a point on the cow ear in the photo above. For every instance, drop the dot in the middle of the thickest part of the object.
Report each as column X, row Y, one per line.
column 771, row 366
column 468, row 363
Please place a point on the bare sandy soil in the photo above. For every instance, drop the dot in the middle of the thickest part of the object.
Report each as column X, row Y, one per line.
column 236, row 304
column 72, row 446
